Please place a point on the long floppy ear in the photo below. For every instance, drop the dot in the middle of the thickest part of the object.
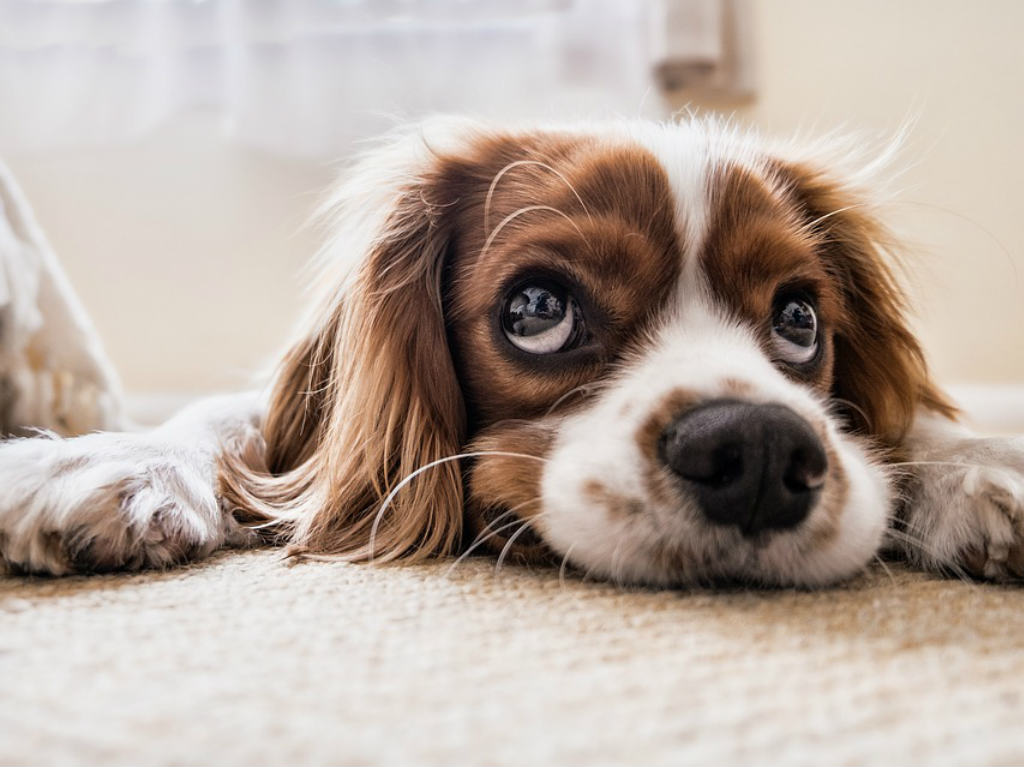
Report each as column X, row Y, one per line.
column 881, row 378
column 368, row 395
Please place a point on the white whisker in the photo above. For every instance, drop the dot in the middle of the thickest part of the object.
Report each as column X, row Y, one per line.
column 522, row 211
column 562, row 567
column 481, row 539
column 426, row 467
column 512, row 539
column 810, row 225
column 519, row 163
column 581, row 389
column 885, row 567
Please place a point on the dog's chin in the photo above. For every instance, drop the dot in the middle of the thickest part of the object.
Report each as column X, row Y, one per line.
column 715, row 556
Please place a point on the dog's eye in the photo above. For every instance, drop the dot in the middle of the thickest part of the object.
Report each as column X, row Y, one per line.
column 795, row 331
column 541, row 318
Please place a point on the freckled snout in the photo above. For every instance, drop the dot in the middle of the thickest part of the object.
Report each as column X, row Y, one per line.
column 758, row 467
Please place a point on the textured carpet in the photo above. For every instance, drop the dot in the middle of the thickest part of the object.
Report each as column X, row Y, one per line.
column 248, row 660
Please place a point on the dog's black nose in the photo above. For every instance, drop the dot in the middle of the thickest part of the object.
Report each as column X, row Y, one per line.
column 755, row 466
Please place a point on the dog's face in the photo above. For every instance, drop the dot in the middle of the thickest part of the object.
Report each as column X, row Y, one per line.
column 668, row 353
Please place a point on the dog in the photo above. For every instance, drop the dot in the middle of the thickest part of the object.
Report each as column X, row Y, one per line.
column 661, row 354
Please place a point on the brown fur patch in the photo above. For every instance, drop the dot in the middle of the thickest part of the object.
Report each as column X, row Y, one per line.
column 737, row 389
column 659, row 485
column 614, row 504
column 671, row 406
column 505, row 486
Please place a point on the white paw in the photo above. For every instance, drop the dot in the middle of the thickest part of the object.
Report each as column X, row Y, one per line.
column 108, row 502
column 966, row 508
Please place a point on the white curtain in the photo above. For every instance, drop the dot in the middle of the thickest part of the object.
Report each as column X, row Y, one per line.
column 312, row 76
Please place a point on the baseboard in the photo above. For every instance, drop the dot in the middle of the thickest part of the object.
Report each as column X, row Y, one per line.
column 152, row 408
column 989, row 407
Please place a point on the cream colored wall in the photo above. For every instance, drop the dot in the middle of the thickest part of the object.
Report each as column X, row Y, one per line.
column 186, row 247
column 958, row 68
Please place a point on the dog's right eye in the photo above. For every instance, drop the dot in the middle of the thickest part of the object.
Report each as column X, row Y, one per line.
column 541, row 318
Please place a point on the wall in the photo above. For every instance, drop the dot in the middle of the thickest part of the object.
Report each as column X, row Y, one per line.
column 957, row 69
column 186, row 248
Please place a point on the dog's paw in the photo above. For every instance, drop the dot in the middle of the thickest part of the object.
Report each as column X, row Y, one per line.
column 965, row 509
column 997, row 549
column 108, row 502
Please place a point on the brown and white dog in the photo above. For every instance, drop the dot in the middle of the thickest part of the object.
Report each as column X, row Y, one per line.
column 661, row 354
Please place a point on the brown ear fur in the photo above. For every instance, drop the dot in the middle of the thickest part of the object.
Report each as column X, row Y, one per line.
column 363, row 400
column 880, row 374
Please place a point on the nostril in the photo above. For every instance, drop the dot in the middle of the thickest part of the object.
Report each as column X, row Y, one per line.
column 726, row 467
column 702, row 461
column 806, row 469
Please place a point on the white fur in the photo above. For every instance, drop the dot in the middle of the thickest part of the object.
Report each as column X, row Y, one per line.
column 123, row 501
column 964, row 493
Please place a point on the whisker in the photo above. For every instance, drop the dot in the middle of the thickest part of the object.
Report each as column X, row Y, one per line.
column 581, row 389
column 885, row 567
column 562, row 567
column 901, row 523
column 1000, row 245
column 963, row 465
column 426, row 467
column 811, row 224
column 894, row 520
column 528, row 209
column 587, row 573
column 481, row 539
column 616, row 565
column 263, row 525
column 940, row 559
column 512, row 539
column 520, row 163
column 477, row 543
column 854, row 406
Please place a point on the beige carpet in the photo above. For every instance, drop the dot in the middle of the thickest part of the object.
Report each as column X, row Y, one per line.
column 248, row 660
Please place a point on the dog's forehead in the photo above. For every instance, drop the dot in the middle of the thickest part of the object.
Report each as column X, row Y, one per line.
column 684, row 186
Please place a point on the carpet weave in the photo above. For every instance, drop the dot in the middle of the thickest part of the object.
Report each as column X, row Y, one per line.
column 246, row 659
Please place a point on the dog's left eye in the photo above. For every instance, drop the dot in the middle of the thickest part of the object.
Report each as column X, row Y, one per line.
column 795, row 331
column 541, row 318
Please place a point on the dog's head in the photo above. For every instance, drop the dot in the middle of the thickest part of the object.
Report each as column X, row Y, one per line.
column 666, row 353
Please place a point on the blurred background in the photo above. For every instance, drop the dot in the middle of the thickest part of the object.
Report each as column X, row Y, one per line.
column 174, row 150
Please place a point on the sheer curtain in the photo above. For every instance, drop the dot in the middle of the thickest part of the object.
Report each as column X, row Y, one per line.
column 311, row 76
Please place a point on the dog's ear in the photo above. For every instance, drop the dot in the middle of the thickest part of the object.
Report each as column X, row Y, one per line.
column 368, row 395
column 881, row 378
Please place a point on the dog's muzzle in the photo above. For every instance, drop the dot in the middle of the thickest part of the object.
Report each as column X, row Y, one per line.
column 756, row 467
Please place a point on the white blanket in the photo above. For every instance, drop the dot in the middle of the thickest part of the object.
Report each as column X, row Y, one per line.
column 54, row 373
